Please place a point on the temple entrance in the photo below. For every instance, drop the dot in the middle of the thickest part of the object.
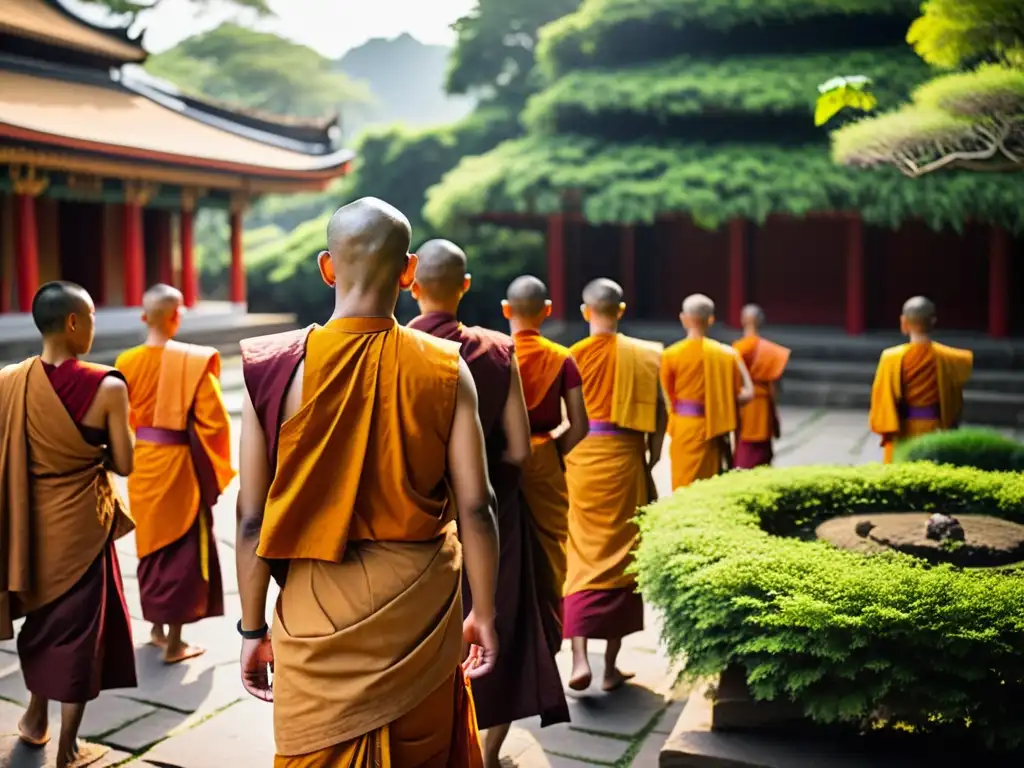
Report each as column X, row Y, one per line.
column 80, row 245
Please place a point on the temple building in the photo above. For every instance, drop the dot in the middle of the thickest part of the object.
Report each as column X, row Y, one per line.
column 103, row 168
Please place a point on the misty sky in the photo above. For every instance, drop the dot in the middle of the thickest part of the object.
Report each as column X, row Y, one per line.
column 329, row 26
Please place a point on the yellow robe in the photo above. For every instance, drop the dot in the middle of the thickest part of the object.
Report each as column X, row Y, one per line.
column 367, row 631
column 606, row 473
column 704, row 372
column 917, row 375
column 766, row 362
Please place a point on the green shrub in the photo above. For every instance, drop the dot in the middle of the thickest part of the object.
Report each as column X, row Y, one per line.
column 856, row 639
column 979, row 448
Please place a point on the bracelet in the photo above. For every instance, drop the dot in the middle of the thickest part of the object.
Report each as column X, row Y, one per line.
column 253, row 634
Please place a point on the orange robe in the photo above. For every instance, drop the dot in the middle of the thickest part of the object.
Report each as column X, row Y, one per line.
column 61, row 515
column 367, row 631
column 182, row 465
column 759, row 419
column 918, row 388
column 548, row 371
column 702, row 380
column 608, row 480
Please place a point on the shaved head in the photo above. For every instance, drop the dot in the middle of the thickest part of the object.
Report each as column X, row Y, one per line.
column 369, row 243
column 699, row 307
column 919, row 311
column 603, row 296
column 527, row 296
column 55, row 302
column 752, row 314
column 441, row 271
column 161, row 301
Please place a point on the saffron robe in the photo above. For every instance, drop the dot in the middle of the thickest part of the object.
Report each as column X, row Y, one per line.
column 182, row 465
column 367, row 630
column 548, row 373
column 759, row 419
column 608, row 480
column 525, row 681
column 918, row 388
column 63, row 515
column 702, row 380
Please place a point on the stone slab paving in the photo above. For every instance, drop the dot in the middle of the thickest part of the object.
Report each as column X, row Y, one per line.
column 196, row 715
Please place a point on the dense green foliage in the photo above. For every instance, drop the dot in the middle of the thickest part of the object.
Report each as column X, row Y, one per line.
column 849, row 638
column 951, row 33
column 776, row 84
column 633, row 183
column 259, row 70
column 585, row 37
column 979, row 448
column 969, row 120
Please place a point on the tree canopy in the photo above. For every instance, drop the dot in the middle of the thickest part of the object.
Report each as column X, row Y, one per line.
column 259, row 70
column 134, row 7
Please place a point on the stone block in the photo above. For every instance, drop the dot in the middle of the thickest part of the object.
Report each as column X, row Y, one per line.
column 650, row 751
column 195, row 685
column 154, row 727
column 565, row 740
column 241, row 735
column 15, row 754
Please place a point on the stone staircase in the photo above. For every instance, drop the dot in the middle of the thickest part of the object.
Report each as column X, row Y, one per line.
column 831, row 370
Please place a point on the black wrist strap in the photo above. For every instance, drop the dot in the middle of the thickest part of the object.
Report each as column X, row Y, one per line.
column 253, row 634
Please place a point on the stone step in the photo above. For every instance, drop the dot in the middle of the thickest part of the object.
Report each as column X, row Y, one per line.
column 863, row 373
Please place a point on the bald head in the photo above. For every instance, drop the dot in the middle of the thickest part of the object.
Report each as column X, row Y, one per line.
column 368, row 241
column 55, row 302
column 441, row 271
column 919, row 312
column 603, row 296
column 699, row 307
column 527, row 296
column 160, row 303
column 752, row 316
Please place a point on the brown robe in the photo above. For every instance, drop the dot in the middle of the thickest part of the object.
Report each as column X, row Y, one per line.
column 525, row 681
column 60, row 567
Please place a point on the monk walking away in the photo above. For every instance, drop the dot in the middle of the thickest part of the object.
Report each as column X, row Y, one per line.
column 65, row 429
column 609, row 477
column 758, row 419
column 705, row 382
column 352, row 434
column 919, row 386
column 551, row 386
column 525, row 681
column 182, row 465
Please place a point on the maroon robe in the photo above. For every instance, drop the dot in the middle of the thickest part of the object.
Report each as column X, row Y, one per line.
column 81, row 643
column 525, row 681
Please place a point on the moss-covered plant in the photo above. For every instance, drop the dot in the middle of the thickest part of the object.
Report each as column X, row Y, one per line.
column 980, row 448
column 880, row 640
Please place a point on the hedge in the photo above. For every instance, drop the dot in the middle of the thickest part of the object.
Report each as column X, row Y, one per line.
column 852, row 639
column 979, row 448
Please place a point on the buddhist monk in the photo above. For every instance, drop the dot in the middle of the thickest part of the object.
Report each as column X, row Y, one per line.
column 759, row 419
column 182, row 465
column 65, row 429
column 705, row 382
column 919, row 387
column 526, row 681
column 609, row 477
column 551, row 386
column 352, row 434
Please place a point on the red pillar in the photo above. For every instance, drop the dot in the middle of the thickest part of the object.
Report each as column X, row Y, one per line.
column 165, row 248
column 627, row 264
column 27, row 251
column 237, row 264
column 556, row 265
column 134, row 257
column 737, row 270
column 855, row 323
column 998, row 283
column 189, row 284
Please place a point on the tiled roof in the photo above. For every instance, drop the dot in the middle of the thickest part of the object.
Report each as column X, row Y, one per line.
column 47, row 22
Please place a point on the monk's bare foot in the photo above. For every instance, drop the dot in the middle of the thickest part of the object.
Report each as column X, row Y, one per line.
column 580, row 678
column 80, row 755
column 34, row 731
column 175, row 654
column 158, row 637
column 615, row 679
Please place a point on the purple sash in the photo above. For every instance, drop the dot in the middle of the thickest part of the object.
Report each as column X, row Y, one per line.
column 205, row 474
column 606, row 428
column 688, row 408
column 159, row 436
column 921, row 412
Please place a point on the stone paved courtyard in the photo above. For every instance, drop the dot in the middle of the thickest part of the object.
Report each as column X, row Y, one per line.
column 196, row 715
